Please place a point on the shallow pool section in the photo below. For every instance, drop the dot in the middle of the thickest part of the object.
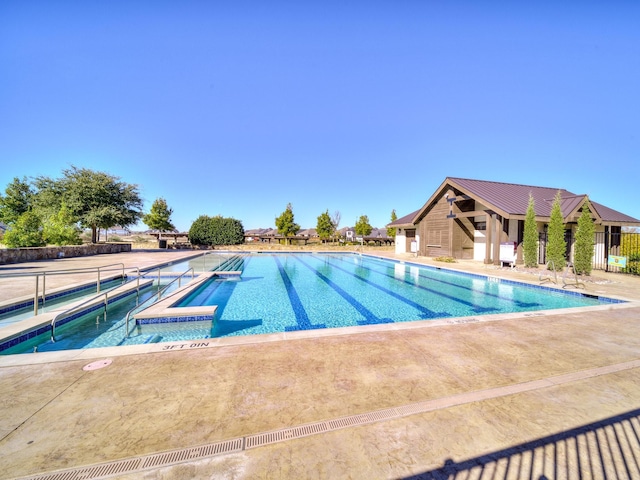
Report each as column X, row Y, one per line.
column 289, row 292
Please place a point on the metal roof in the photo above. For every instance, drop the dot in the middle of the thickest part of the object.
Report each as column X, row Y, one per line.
column 510, row 199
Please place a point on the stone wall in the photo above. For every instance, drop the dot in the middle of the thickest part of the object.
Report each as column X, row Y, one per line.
column 20, row 255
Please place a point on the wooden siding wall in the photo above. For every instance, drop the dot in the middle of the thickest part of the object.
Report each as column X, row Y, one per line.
column 442, row 236
column 434, row 231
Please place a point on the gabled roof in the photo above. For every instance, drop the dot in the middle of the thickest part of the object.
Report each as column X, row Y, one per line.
column 406, row 221
column 509, row 199
column 308, row 232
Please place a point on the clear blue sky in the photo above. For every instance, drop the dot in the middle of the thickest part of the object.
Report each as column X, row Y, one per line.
column 238, row 108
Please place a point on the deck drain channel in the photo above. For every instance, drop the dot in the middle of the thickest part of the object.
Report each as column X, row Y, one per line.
column 236, row 445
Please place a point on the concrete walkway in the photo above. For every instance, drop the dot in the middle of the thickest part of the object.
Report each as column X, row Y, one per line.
column 546, row 395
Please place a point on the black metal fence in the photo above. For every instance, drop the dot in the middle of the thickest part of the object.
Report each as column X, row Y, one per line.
column 606, row 246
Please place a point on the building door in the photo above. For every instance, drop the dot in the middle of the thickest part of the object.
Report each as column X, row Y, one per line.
column 410, row 236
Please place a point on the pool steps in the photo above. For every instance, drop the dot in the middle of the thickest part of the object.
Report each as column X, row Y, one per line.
column 164, row 311
column 159, row 313
column 232, row 264
column 16, row 333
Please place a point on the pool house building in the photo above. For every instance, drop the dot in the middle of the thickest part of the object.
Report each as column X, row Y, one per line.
column 484, row 221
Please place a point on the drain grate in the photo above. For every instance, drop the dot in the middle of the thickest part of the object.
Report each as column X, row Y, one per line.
column 134, row 465
column 193, row 453
column 285, row 434
column 164, row 459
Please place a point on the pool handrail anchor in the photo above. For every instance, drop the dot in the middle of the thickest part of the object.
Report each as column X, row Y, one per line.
column 549, row 279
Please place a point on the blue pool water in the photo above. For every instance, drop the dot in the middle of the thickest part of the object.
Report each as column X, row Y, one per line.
column 289, row 292
column 305, row 291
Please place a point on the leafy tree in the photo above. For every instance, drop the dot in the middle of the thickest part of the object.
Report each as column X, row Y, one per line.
column 99, row 200
column 285, row 223
column 61, row 229
column 216, row 230
column 556, row 244
column 159, row 218
column 583, row 254
column 530, row 241
column 391, row 232
column 362, row 227
column 17, row 200
column 325, row 227
column 26, row 231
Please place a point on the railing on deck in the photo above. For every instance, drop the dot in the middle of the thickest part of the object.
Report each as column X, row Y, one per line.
column 157, row 296
column 36, row 297
column 68, row 312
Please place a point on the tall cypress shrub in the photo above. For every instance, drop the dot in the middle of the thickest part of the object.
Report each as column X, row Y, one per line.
column 583, row 255
column 530, row 241
column 556, row 245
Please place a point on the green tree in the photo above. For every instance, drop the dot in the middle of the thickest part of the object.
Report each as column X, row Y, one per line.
column 216, row 230
column 391, row 232
column 60, row 228
column 99, row 200
column 286, row 224
column 362, row 227
column 325, row 227
column 26, row 231
column 530, row 241
column 159, row 218
column 583, row 254
column 556, row 244
column 17, row 200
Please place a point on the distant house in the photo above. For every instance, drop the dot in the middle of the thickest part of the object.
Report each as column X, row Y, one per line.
column 471, row 219
column 308, row 232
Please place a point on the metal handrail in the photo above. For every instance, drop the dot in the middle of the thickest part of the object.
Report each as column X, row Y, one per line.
column 577, row 283
column 67, row 312
column 137, row 280
column 159, row 296
column 555, row 273
column 204, row 258
column 36, row 297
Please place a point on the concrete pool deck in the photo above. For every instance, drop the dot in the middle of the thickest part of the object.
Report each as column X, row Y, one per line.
column 553, row 393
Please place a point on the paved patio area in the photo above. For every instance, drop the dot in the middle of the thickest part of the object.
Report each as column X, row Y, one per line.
column 545, row 395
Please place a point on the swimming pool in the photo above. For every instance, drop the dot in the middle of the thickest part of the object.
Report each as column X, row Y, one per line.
column 288, row 292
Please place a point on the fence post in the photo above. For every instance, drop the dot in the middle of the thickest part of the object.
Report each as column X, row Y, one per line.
column 606, row 248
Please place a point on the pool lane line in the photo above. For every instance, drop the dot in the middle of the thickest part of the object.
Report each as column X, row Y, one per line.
column 475, row 308
column 424, row 312
column 302, row 318
column 428, row 269
column 370, row 317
